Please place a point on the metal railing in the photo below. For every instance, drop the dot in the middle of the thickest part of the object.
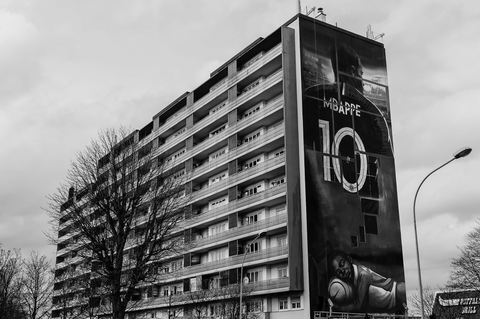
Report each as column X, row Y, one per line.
column 238, row 204
column 219, row 87
column 235, row 178
column 242, row 230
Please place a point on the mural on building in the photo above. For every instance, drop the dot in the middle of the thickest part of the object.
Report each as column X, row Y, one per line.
column 354, row 243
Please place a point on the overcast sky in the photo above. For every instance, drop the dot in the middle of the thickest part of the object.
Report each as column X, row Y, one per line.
column 71, row 68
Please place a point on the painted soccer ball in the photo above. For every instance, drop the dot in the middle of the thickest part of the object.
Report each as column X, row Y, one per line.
column 339, row 291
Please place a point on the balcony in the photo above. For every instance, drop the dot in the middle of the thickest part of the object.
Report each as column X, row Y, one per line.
column 69, row 261
column 75, row 302
column 268, row 285
column 270, row 136
column 278, row 252
column 69, row 248
column 237, row 205
column 187, row 297
column 217, row 89
column 209, row 142
column 231, row 234
column 235, row 178
column 266, row 58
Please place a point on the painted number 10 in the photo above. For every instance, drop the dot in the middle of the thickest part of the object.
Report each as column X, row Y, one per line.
column 334, row 148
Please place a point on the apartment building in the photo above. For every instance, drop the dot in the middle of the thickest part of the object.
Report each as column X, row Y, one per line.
column 280, row 174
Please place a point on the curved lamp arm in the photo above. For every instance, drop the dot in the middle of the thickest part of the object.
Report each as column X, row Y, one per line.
column 459, row 154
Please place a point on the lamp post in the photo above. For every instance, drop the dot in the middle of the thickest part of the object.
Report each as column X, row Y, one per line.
column 459, row 154
column 241, row 270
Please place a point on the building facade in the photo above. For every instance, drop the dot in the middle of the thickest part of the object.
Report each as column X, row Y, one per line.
column 288, row 154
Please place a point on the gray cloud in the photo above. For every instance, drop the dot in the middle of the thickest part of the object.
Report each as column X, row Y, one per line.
column 71, row 68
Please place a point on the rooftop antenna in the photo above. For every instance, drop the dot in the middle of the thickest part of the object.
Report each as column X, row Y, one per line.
column 320, row 15
column 308, row 12
column 370, row 34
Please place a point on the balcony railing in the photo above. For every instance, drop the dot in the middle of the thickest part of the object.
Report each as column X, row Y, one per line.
column 69, row 261
column 190, row 297
column 263, row 224
column 237, row 205
column 234, row 261
column 242, row 149
column 235, row 178
column 266, row 58
column 220, row 87
column 269, row 82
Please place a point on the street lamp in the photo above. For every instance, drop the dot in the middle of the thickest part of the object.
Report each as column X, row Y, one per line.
column 459, row 154
column 241, row 270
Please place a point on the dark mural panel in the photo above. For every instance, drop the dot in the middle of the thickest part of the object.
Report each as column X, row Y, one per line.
column 355, row 252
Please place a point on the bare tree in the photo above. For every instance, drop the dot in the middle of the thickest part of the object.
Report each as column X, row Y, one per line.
column 197, row 303
column 10, row 284
column 222, row 302
column 229, row 302
column 37, row 286
column 123, row 211
column 73, row 287
column 465, row 273
column 414, row 301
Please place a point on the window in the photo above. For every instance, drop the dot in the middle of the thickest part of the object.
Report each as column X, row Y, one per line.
column 282, row 304
column 217, row 310
column 218, row 153
column 251, row 219
column 371, row 226
column 217, row 229
column 252, row 190
column 218, row 178
column 254, row 247
column 218, row 130
column 252, row 110
column 178, row 174
column 214, row 282
column 156, row 291
column 251, row 137
column 279, row 152
column 277, row 181
column 251, row 163
column 176, row 265
column 296, row 303
column 178, row 289
column 176, row 155
column 218, row 107
column 217, row 203
column 217, row 255
column 282, row 272
column 370, row 188
column 255, row 305
column 254, row 276
column 282, row 241
column 251, row 86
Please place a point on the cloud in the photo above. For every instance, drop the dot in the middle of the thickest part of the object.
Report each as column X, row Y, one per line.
column 19, row 65
column 71, row 68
